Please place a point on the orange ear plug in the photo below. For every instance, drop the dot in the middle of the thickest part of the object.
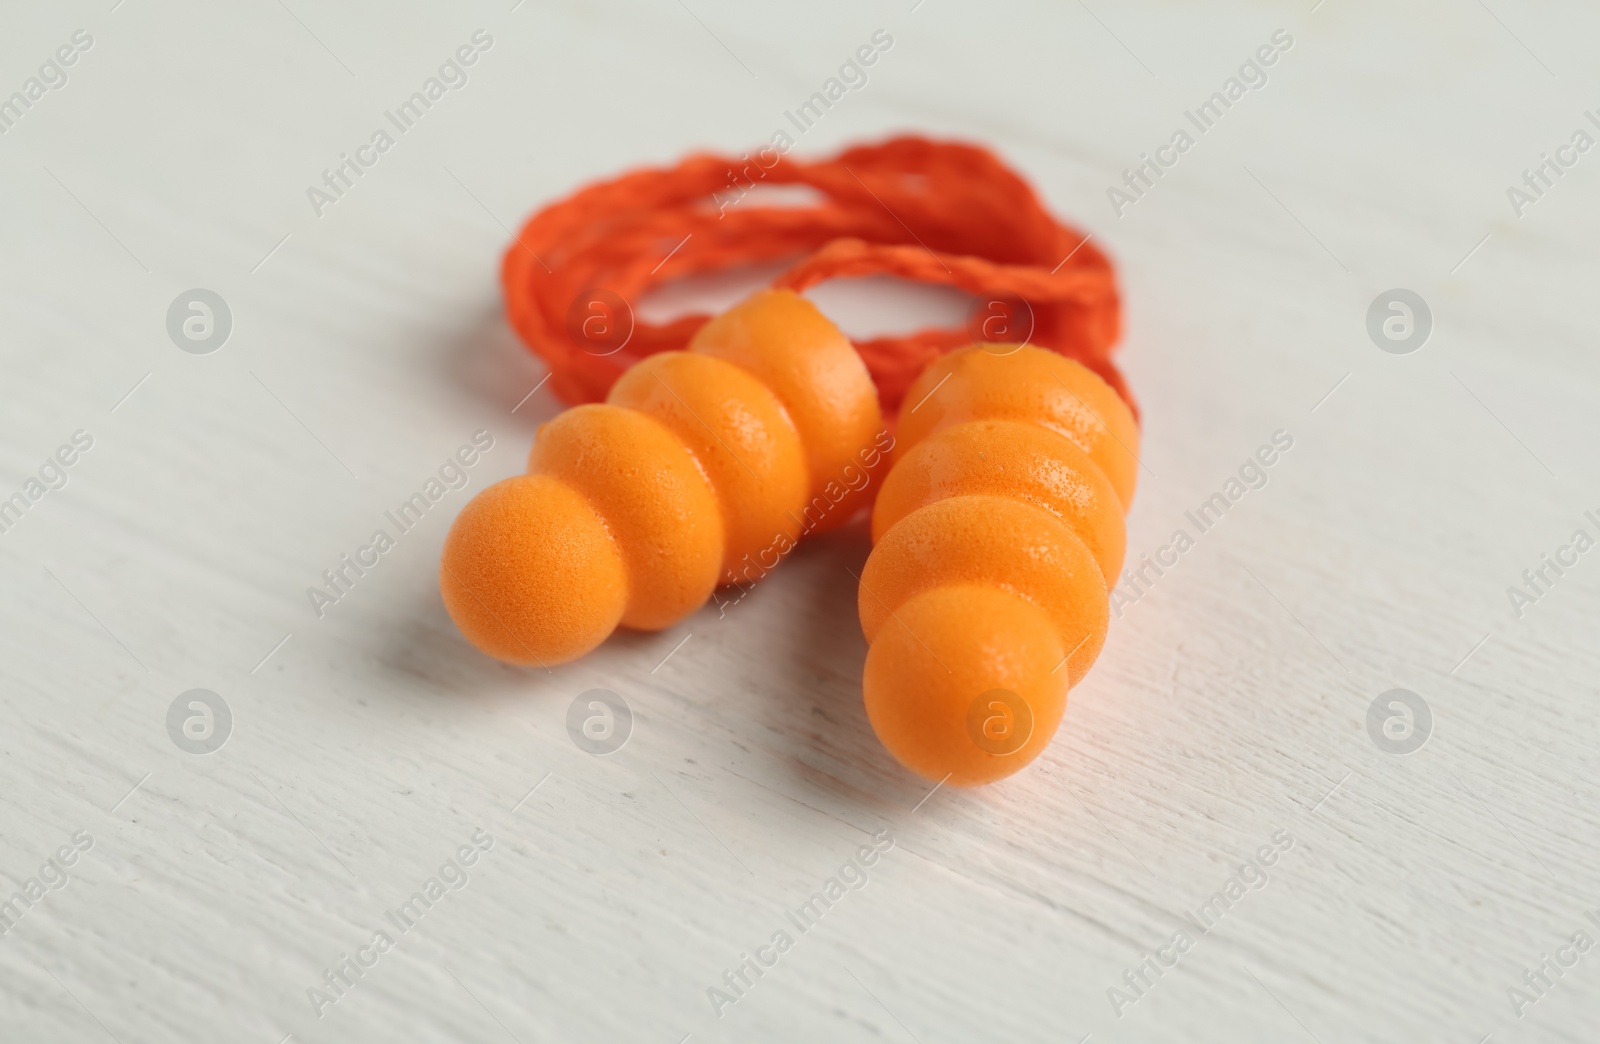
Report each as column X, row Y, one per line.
column 997, row 533
column 701, row 467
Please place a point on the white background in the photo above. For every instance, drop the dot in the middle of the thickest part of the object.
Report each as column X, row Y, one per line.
column 1230, row 702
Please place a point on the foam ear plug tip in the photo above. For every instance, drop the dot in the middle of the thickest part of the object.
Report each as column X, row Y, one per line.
column 702, row 467
column 997, row 534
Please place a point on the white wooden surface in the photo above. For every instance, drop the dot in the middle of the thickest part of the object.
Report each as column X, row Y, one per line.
column 1230, row 702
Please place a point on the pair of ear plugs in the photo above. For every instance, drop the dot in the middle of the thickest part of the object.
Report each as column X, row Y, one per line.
column 997, row 530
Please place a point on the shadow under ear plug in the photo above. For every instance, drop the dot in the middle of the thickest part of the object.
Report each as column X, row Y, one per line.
column 998, row 530
column 702, row 467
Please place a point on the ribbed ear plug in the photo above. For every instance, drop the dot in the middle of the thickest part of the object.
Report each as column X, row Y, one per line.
column 997, row 533
column 701, row 468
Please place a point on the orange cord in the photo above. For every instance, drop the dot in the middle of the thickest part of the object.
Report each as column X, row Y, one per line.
column 938, row 212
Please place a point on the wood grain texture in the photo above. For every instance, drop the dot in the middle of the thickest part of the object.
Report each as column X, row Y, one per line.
column 1230, row 702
